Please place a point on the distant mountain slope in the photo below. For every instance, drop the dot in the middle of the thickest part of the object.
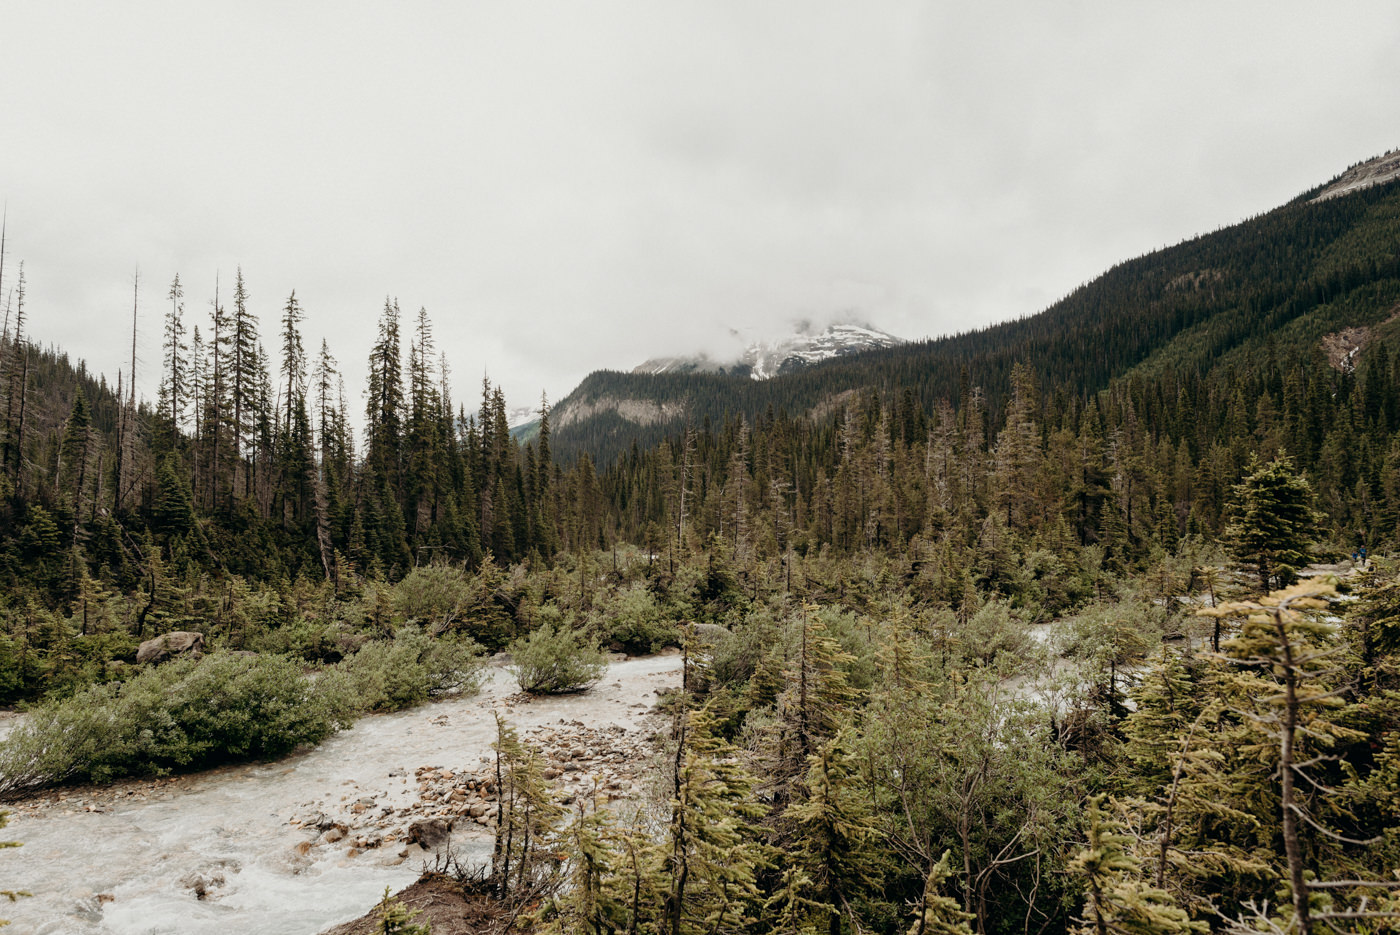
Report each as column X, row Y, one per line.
column 1307, row 269
column 1363, row 175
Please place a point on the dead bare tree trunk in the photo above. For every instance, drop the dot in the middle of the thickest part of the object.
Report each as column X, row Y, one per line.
column 323, row 532
column 16, row 371
column 126, row 430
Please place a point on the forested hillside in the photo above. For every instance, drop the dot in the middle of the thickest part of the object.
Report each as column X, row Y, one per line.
column 1290, row 276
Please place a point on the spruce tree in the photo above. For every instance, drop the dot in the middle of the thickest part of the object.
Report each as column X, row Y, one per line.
column 1272, row 521
column 175, row 379
column 936, row 914
column 75, row 455
column 1289, row 681
column 710, row 847
column 832, row 833
column 1117, row 900
column 245, row 373
column 396, row 919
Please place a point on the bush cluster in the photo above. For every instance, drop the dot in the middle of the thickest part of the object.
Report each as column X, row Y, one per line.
column 194, row 713
column 553, row 661
column 186, row 714
column 633, row 619
column 387, row 675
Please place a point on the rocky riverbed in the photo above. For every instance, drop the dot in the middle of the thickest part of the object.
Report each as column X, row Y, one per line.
column 300, row 844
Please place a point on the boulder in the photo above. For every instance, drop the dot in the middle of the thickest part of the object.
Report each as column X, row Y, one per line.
column 178, row 643
column 201, row 885
column 429, row 834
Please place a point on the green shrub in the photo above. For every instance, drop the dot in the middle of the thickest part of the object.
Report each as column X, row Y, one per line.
column 633, row 619
column 735, row 660
column 396, row 919
column 553, row 661
column 434, row 594
column 443, row 599
column 387, row 675
column 303, row 638
column 992, row 631
column 186, row 714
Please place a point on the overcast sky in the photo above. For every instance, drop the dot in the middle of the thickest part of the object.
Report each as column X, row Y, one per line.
column 576, row 185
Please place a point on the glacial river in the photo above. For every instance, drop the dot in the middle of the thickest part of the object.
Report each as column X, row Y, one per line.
column 126, row 865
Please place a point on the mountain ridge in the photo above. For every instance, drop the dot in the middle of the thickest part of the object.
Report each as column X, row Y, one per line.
column 762, row 360
column 1308, row 268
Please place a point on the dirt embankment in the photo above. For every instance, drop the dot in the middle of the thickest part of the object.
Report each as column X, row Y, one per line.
column 443, row 903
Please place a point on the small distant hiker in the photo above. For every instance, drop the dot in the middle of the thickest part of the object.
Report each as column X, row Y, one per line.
column 1363, row 556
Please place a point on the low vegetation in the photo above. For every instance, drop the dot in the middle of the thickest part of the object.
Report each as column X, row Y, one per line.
column 386, row 675
column 194, row 713
column 554, row 660
column 186, row 714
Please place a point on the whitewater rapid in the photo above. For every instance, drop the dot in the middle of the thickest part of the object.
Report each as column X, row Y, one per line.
column 127, row 866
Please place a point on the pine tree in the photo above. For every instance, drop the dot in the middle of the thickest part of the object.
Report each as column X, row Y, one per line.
column 173, row 399
column 604, row 893
column 384, row 402
column 293, row 359
column 1017, row 455
column 425, row 482
column 75, row 455
column 125, row 473
column 244, row 374
column 935, row 913
column 1272, row 521
column 16, row 385
column 396, row 919
column 1289, row 680
column 217, row 417
column 297, row 477
column 199, row 389
column 711, row 854
column 833, row 835
column 1118, row 900
column 809, row 708
column 527, row 820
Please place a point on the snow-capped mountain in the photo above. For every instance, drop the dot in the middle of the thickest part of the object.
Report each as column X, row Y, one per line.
column 763, row 359
column 522, row 415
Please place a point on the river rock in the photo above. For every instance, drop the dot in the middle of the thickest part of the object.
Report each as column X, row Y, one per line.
column 176, row 643
column 430, row 834
column 201, row 885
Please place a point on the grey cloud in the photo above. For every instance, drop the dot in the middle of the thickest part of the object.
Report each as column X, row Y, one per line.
column 570, row 186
